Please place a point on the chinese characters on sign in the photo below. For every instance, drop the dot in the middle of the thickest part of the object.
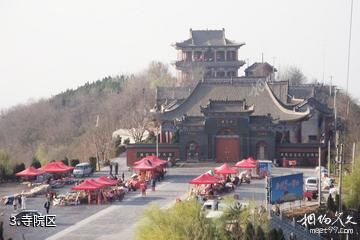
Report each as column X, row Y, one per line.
column 299, row 154
column 161, row 154
column 284, row 185
column 33, row 221
column 286, row 188
column 332, row 224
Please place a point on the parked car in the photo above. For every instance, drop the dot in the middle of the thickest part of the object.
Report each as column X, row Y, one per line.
column 16, row 219
column 311, row 184
column 82, row 170
column 210, row 212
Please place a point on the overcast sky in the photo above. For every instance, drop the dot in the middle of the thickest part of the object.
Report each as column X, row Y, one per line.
column 47, row 47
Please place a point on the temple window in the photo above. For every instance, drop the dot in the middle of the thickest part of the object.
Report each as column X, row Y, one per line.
column 231, row 56
column 209, row 56
column 230, row 74
column 220, row 56
column 198, row 56
column 187, row 56
column 220, row 74
column 312, row 138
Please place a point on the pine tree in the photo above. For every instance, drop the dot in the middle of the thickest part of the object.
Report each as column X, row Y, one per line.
column 249, row 232
column 331, row 204
column 260, row 235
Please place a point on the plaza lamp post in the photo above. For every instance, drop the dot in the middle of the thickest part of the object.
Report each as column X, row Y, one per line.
column 322, row 140
column 158, row 131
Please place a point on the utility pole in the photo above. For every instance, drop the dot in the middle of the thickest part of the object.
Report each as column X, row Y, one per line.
column 330, row 89
column 329, row 157
column 340, row 176
column 335, row 128
column 157, row 141
column 319, row 174
column 353, row 157
column 347, row 108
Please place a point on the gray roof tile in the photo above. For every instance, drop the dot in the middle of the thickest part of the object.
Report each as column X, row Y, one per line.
column 255, row 91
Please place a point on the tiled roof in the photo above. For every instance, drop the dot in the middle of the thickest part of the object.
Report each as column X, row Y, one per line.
column 256, row 92
column 227, row 106
column 208, row 38
column 260, row 67
column 171, row 93
column 280, row 89
column 315, row 104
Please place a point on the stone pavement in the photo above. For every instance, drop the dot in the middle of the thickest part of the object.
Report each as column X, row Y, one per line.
column 118, row 221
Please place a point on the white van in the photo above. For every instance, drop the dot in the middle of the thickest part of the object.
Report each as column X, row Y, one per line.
column 311, row 184
column 82, row 170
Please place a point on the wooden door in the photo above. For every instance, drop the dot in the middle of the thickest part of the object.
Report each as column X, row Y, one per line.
column 227, row 149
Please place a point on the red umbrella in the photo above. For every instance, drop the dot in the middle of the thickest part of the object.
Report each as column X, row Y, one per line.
column 225, row 169
column 245, row 164
column 29, row 172
column 205, row 178
column 56, row 167
column 251, row 160
column 145, row 166
column 88, row 184
column 106, row 181
column 151, row 160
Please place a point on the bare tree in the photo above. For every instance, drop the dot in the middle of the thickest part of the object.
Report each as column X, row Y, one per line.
column 292, row 74
column 194, row 76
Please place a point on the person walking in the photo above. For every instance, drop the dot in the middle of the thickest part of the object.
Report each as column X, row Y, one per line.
column 143, row 189
column 14, row 203
column 47, row 206
column 123, row 176
column 153, row 184
column 110, row 169
column 23, row 202
column 116, row 169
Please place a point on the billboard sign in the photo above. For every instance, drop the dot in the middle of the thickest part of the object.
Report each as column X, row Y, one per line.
column 264, row 168
column 286, row 188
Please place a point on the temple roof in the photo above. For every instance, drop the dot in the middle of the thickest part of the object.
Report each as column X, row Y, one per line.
column 256, row 92
column 172, row 93
column 315, row 104
column 207, row 38
column 259, row 69
column 226, row 106
column 281, row 90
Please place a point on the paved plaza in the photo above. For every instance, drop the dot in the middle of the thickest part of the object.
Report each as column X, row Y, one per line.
column 118, row 220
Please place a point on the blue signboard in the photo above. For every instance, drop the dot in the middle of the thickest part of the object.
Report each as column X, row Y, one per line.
column 286, row 188
column 264, row 168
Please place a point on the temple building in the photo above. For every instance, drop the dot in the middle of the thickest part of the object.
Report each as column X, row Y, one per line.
column 226, row 118
column 208, row 53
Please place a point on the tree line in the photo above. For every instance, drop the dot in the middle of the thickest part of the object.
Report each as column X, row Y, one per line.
column 78, row 124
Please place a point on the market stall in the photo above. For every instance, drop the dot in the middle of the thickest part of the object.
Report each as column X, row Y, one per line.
column 59, row 171
column 153, row 160
column 56, row 167
column 226, row 171
column 207, row 185
column 30, row 172
column 106, row 181
column 160, row 164
column 245, row 164
column 146, row 170
column 92, row 190
column 247, row 170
